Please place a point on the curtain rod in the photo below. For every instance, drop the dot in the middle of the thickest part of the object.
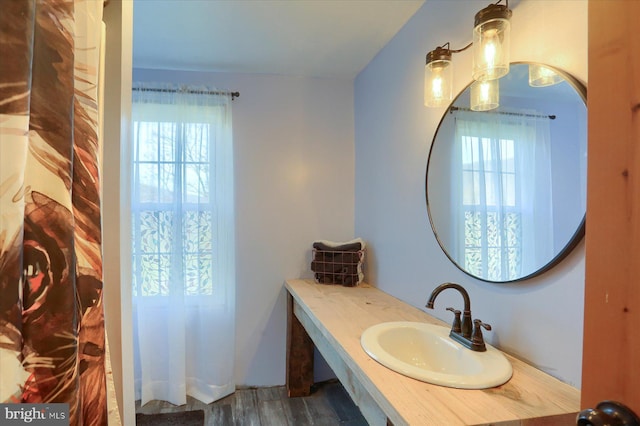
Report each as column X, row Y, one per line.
column 205, row 92
column 519, row 114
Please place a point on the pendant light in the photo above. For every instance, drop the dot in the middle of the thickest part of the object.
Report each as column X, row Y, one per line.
column 491, row 42
column 485, row 95
column 438, row 78
column 541, row 76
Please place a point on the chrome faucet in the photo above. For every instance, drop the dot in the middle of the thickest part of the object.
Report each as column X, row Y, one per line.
column 465, row 331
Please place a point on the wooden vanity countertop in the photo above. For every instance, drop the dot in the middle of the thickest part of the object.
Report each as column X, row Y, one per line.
column 530, row 397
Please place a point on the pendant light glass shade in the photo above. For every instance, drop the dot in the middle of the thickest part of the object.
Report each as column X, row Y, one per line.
column 485, row 95
column 438, row 78
column 541, row 76
column 491, row 42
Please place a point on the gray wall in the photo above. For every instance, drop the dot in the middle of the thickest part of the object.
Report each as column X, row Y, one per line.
column 539, row 320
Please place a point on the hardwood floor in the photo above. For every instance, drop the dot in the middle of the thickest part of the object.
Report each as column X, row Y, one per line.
column 328, row 405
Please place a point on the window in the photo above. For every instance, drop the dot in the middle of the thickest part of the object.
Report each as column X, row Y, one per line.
column 173, row 214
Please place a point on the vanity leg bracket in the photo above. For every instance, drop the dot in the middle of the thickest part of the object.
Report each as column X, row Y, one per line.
column 300, row 350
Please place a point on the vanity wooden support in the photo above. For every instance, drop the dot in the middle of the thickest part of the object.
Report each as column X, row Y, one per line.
column 299, row 355
column 334, row 317
column 358, row 393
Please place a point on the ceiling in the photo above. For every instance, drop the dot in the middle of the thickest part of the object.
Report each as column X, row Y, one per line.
column 317, row 38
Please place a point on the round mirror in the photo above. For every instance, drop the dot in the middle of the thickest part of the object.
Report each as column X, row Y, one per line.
column 506, row 188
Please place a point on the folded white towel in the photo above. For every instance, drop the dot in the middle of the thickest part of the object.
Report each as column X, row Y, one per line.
column 337, row 243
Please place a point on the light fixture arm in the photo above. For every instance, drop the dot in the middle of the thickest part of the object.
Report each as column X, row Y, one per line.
column 444, row 52
column 460, row 50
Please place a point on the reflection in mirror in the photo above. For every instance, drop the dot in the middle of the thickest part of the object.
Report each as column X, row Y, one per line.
column 506, row 188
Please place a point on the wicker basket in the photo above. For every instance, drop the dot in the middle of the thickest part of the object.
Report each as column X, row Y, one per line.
column 338, row 267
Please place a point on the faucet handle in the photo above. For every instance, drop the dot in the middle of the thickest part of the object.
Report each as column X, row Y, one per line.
column 477, row 339
column 456, row 326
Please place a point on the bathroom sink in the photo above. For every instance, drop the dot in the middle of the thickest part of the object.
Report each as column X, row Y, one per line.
column 426, row 352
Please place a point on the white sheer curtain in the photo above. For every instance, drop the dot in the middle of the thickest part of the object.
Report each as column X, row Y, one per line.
column 183, row 244
column 501, row 193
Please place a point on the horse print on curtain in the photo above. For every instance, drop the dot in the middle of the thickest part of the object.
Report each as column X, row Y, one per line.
column 52, row 340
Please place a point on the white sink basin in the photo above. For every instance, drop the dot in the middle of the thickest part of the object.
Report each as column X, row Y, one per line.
column 426, row 352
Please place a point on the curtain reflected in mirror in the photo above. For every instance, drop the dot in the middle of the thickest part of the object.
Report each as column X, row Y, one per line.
column 506, row 188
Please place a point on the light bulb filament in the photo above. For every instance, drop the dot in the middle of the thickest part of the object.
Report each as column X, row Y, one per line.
column 436, row 87
column 485, row 91
column 490, row 54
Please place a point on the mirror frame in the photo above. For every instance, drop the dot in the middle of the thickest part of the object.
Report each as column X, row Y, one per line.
column 579, row 233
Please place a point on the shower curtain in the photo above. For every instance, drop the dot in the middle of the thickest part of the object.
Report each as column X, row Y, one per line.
column 52, row 339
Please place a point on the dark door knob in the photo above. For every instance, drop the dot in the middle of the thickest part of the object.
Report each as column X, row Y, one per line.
column 608, row 413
